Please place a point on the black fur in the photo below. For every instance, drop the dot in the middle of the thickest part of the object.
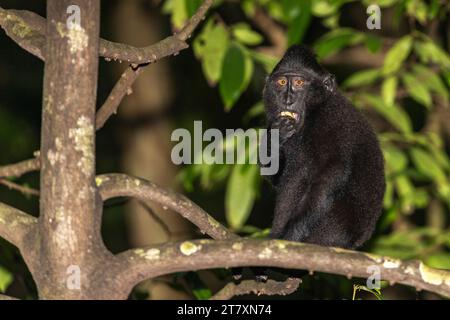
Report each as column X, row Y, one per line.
column 330, row 185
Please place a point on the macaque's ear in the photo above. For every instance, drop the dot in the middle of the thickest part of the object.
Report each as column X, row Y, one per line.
column 330, row 83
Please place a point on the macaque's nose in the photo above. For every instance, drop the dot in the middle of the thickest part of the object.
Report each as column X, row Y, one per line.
column 289, row 98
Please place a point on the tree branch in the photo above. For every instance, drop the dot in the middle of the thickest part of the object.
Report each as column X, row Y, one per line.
column 135, row 265
column 18, row 169
column 121, row 185
column 23, row 189
column 15, row 225
column 122, row 87
column 274, row 32
column 270, row 288
column 28, row 30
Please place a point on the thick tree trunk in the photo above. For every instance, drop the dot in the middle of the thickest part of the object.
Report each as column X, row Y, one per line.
column 69, row 229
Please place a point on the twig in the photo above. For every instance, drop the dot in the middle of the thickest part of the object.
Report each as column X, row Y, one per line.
column 15, row 186
column 269, row 288
column 122, row 87
column 121, row 185
column 18, row 169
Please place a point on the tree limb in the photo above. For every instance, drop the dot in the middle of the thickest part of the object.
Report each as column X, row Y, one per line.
column 28, row 30
column 15, row 225
column 274, row 32
column 135, row 265
column 20, row 168
column 121, row 88
column 270, row 288
column 23, row 189
column 121, row 185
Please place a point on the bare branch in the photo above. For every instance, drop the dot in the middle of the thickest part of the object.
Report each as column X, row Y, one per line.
column 28, row 30
column 194, row 21
column 121, row 185
column 274, row 32
column 15, row 225
column 136, row 265
column 269, row 288
column 18, row 169
column 122, row 87
column 23, row 189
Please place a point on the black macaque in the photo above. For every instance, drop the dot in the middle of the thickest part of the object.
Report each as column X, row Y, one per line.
column 330, row 183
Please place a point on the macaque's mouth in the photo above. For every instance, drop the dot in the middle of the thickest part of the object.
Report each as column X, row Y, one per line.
column 290, row 114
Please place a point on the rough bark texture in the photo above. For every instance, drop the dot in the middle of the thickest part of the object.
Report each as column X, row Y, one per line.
column 69, row 231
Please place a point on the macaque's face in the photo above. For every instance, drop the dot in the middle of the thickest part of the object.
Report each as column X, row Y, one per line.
column 291, row 93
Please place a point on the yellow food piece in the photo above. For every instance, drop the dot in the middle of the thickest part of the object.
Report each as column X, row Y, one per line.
column 290, row 114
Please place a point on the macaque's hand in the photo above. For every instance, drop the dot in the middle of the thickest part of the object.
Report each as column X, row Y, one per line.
column 287, row 127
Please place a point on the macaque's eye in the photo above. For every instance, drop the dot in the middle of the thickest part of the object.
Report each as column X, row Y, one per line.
column 282, row 82
column 299, row 82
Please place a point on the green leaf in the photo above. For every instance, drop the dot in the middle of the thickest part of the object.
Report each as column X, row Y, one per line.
column 179, row 13
column 291, row 8
column 396, row 55
column 417, row 89
column 429, row 52
column 243, row 33
column 192, row 6
column 240, row 194
column 439, row 260
column 396, row 160
column 6, row 278
column 441, row 157
column 334, row 41
column 381, row 3
column 255, row 111
column 332, row 22
column 211, row 46
column 362, row 78
column 323, row 8
column 267, row 61
column 394, row 114
column 373, row 43
column 417, row 9
column 248, row 6
column 276, row 11
column 405, row 190
column 426, row 164
column 431, row 80
column 421, row 198
column 389, row 90
column 237, row 70
column 202, row 293
column 300, row 19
